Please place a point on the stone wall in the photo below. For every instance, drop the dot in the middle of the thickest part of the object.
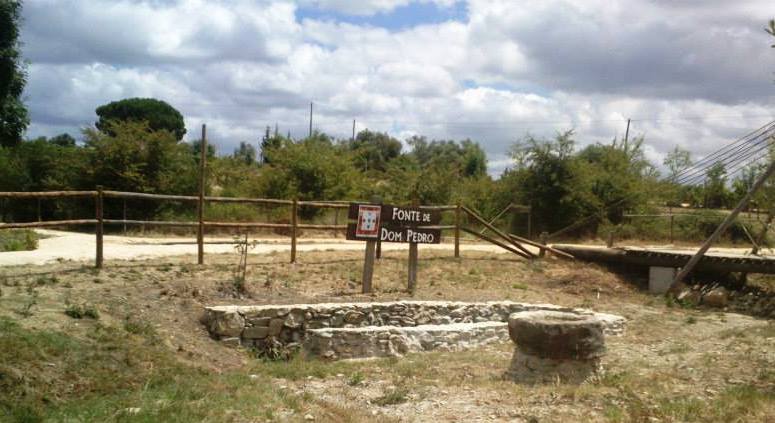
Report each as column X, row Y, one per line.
column 349, row 330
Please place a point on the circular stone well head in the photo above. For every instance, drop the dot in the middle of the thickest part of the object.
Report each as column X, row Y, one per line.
column 557, row 335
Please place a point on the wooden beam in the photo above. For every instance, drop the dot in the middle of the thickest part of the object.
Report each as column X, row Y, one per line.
column 496, row 242
column 723, row 226
column 498, row 232
column 542, row 246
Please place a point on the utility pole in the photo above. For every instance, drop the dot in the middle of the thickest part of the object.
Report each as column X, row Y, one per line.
column 626, row 136
column 310, row 119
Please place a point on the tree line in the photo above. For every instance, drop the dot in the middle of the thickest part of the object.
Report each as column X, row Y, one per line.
column 137, row 145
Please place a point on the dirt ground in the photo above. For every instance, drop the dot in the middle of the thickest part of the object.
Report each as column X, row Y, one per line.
column 671, row 364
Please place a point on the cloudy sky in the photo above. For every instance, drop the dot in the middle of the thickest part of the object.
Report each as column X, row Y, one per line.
column 696, row 74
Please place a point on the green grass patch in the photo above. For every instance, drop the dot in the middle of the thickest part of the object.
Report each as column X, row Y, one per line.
column 107, row 375
column 18, row 240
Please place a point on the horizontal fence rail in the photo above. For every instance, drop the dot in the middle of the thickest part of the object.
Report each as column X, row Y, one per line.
column 293, row 227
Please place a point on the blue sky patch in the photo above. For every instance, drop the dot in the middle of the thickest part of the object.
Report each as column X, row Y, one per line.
column 400, row 18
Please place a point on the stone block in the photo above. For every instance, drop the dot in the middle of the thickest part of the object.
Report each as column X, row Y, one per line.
column 660, row 279
column 255, row 332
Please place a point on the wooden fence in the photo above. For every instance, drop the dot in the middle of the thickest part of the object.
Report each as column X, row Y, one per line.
column 99, row 196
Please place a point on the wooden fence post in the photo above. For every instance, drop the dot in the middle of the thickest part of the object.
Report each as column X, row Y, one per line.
column 124, row 216
column 530, row 222
column 672, row 222
column 412, row 270
column 543, row 239
column 457, row 230
column 200, row 233
column 99, row 229
column 294, row 226
column 368, row 267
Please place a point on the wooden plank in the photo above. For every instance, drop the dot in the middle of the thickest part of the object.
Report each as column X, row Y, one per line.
column 210, row 224
column 248, row 200
column 48, row 223
column 47, row 194
column 496, row 242
column 498, row 232
column 322, row 227
column 324, row 204
column 149, row 222
column 542, row 246
column 144, row 196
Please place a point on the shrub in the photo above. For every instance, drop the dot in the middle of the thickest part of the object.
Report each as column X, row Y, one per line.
column 18, row 240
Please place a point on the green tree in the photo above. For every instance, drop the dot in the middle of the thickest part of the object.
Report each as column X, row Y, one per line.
column 771, row 29
column 676, row 161
column 715, row 190
column 311, row 169
column 129, row 156
column 245, row 153
column 549, row 178
column 13, row 114
column 158, row 114
column 374, row 150
column 63, row 140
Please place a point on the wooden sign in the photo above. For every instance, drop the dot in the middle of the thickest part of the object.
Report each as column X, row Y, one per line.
column 400, row 234
column 408, row 216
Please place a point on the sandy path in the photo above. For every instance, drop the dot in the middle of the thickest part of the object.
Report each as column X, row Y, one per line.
column 60, row 245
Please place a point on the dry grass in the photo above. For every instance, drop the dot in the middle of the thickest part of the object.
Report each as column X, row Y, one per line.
column 144, row 356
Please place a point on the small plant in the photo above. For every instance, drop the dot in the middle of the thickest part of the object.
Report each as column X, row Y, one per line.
column 82, row 311
column 519, row 286
column 43, row 280
column 26, row 309
column 242, row 247
column 356, row 379
column 691, row 320
column 139, row 328
column 395, row 395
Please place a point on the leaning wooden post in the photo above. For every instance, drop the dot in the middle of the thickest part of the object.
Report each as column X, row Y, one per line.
column 200, row 233
column 99, row 229
column 294, row 226
column 722, row 227
column 543, row 239
column 457, row 230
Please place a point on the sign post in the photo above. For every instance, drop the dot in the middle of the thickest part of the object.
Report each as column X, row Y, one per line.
column 367, row 227
column 375, row 223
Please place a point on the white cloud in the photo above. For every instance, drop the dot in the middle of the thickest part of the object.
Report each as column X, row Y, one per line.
column 690, row 74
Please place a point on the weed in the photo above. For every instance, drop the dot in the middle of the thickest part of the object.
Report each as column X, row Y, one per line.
column 32, row 301
column 82, row 311
column 394, row 395
column 691, row 320
column 355, row 379
column 520, row 286
column 43, row 280
column 144, row 329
